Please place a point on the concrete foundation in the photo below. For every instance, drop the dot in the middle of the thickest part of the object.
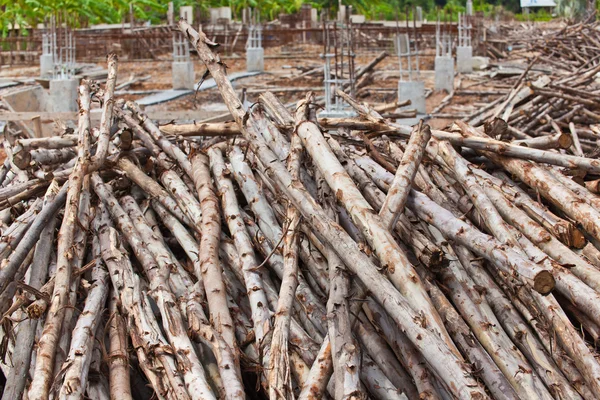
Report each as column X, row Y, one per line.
column 183, row 75
column 255, row 59
column 464, row 59
column 480, row 63
column 337, row 114
column 415, row 92
column 46, row 65
column 220, row 15
column 63, row 95
column 444, row 73
column 411, row 121
column 187, row 13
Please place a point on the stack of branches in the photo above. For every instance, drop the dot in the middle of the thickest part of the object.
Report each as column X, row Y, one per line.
column 558, row 112
column 571, row 47
column 284, row 260
column 566, row 59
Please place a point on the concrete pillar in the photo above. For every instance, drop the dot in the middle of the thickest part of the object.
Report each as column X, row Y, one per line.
column 171, row 14
column 419, row 14
column 464, row 59
column 183, row 75
column 46, row 65
column 187, row 13
column 314, row 15
column 415, row 92
column 444, row 73
column 63, row 95
column 255, row 59
column 469, row 7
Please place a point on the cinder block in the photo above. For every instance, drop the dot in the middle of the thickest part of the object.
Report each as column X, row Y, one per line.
column 415, row 92
column 464, row 59
column 337, row 114
column 255, row 59
column 183, row 75
column 444, row 73
column 63, row 95
column 480, row 63
column 46, row 65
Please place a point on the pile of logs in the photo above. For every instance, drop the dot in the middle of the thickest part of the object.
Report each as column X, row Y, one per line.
column 283, row 256
column 573, row 47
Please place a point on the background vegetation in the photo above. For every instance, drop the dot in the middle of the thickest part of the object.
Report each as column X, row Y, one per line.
column 81, row 13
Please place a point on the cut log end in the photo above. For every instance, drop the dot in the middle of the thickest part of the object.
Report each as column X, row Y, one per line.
column 565, row 141
column 578, row 240
column 544, row 282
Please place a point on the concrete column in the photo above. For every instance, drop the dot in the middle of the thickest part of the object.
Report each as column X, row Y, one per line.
column 415, row 92
column 255, row 59
column 183, row 75
column 444, row 73
column 187, row 13
column 419, row 14
column 464, row 59
column 63, row 95
column 171, row 14
column 46, row 65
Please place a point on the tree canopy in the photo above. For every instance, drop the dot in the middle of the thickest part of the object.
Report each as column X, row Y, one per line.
column 78, row 13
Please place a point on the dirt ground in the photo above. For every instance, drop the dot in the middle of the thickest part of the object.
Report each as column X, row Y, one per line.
column 283, row 65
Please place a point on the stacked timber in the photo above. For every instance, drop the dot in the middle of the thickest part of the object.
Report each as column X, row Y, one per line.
column 283, row 256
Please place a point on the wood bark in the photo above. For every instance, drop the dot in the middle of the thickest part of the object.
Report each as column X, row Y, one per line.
column 398, row 192
column 451, row 370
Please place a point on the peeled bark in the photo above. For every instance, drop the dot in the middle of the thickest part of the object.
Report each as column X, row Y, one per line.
column 541, row 180
column 252, row 277
column 541, row 277
column 197, row 321
column 541, row 238
column 384, row 358
column 411, row 359
column 446, row 363
column 52, row 142
column 151, row 187
column 43, row 375
column 564, row 230
column 280, row 383
column 15, row 232
column 158, row 274
column 320, row 373
column 377, row 383
column 559, row 140
column 170, row 149
column 24, row 158
column 488, row 331
column 108, row 103
column 210, row 267
column 21, row 359
column 269, row 225
column 140, row 329
column 485, row 246
column 30, row 238
column 400, row 272
column 118, row 357
column 77, row 364
column 494, row 380
column 398, row 192
column 184, row 197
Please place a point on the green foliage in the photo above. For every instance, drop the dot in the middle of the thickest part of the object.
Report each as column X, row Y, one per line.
column 571, row 9
column 540, row 15
column 81, row 13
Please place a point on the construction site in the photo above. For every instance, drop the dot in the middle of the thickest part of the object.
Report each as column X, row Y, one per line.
column 320, row 205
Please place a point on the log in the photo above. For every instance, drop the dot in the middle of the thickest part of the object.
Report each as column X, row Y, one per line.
column 332, row 233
